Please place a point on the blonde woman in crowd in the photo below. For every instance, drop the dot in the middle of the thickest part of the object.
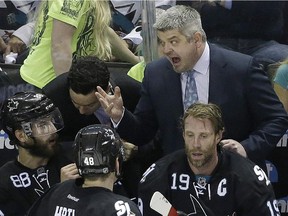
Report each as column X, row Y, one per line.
column 67, row 29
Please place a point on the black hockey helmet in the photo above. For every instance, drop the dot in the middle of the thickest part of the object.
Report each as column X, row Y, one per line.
column 96, row 148
column 33, row 112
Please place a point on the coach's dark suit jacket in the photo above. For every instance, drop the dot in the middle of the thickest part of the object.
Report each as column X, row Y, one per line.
column 58, row 91
column 252, row 112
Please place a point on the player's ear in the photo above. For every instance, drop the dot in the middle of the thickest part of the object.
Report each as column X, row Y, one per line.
column 20, row 135
column 219, row 136
column 197, row 39
column 183, row 133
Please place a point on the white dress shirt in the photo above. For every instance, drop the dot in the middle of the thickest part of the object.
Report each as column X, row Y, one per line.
column 201, row 76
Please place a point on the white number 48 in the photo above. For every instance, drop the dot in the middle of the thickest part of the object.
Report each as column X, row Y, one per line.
column 89, row 161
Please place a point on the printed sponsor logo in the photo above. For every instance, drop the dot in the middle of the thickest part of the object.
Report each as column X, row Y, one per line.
column 72, row 198
column 5, row 141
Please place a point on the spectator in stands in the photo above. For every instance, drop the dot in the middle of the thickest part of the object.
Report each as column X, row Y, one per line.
column 255, row 119
column 16, row 26
column 65, row 31
column 127, row 20
column 281, row 83
column 31, row 120
column 252, row 27
column 132, row 10
column 137, row 71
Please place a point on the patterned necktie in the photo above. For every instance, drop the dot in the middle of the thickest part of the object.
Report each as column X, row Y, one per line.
column 191, row 95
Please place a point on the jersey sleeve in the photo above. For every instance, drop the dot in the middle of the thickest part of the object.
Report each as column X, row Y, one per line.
column 255, row 194
column 6, row 207
column 154, row 179
column 9, row 196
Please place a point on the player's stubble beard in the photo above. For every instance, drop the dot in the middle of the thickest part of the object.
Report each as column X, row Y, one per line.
column 45, row 148
column 207, row 157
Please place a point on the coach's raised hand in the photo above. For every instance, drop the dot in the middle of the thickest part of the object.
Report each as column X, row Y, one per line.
column 111, row 103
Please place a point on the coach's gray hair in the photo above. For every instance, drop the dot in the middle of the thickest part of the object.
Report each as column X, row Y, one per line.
column 184, row 18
